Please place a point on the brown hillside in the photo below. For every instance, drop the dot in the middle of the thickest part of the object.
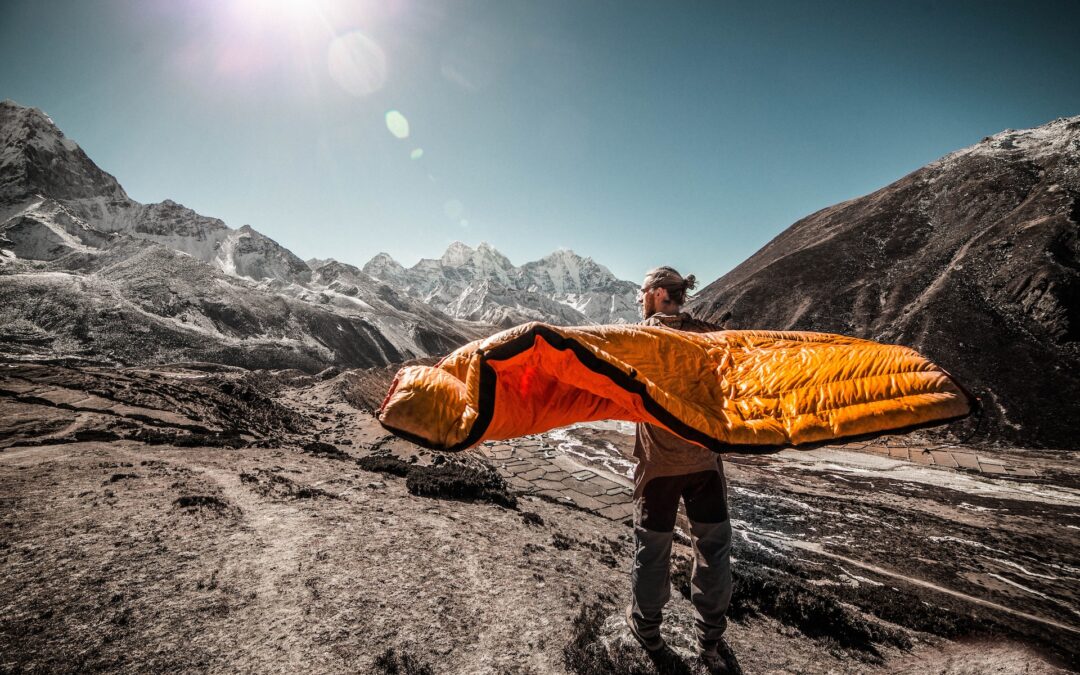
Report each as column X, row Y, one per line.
column 973, row 259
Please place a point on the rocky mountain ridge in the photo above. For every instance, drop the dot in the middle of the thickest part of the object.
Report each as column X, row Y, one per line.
column 973, row 260
column 481, row 284
column 42, row 171
column 88, row 272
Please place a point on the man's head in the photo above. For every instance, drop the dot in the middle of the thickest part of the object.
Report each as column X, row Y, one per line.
column 664, row 291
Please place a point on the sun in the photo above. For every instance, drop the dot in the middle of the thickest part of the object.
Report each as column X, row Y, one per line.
column 279, row 12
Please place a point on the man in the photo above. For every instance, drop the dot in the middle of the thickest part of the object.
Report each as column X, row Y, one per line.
column 668, row 469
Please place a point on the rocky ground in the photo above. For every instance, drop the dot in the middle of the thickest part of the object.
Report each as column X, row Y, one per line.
column 199, row 518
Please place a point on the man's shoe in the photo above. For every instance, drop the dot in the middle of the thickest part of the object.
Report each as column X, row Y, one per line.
column 653, row 644
column 718, row 657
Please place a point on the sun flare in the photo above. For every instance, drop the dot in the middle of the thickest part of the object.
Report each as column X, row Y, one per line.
column 275, row 10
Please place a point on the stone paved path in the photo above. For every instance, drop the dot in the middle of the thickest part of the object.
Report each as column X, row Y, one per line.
column 967, row 460
column 533, row 466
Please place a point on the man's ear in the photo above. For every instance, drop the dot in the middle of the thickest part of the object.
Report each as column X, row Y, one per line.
column 662, row 295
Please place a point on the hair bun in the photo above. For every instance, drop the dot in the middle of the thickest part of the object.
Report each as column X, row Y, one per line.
column 691, row 281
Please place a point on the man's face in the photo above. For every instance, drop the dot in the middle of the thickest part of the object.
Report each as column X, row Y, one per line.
column 657, row 300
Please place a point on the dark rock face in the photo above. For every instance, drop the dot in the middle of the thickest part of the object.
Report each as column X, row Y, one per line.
column 37, row 158
column 169, row 218
column 973, row 260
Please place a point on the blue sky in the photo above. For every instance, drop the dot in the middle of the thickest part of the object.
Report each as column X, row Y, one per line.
column 638, row 133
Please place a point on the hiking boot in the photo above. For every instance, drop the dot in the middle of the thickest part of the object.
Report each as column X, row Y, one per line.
column 718, row 657
column 653, row 644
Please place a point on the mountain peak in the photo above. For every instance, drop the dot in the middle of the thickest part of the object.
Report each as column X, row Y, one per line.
column 25, row 127
column 457, row 253
column 10, row 110
column 485, row 256
column 382, row 266
column 571, row 263
column 564, row 254
column 36, row 158
column 1053, row 139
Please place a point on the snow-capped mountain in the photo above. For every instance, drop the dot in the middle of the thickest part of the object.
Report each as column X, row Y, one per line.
column 481, row 284
column 42, row 172
column 585, row 285
column 87, row 271
column 973, row 259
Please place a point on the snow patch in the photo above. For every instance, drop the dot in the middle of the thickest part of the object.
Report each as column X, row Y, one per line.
column 864, row 464
column 1032, row 591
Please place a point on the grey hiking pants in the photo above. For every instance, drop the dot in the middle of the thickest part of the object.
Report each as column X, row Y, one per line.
column 705, row 496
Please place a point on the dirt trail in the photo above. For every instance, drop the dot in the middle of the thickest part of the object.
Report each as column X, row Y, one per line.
column 279, row 540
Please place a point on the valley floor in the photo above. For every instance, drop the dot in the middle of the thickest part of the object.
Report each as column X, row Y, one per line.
column 183, row 519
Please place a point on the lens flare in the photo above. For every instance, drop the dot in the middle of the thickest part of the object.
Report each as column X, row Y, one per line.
column 356, row 63
column 417, row 153
column 397, row 123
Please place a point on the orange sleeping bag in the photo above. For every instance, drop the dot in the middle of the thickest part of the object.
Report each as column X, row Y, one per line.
column 729, row 391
